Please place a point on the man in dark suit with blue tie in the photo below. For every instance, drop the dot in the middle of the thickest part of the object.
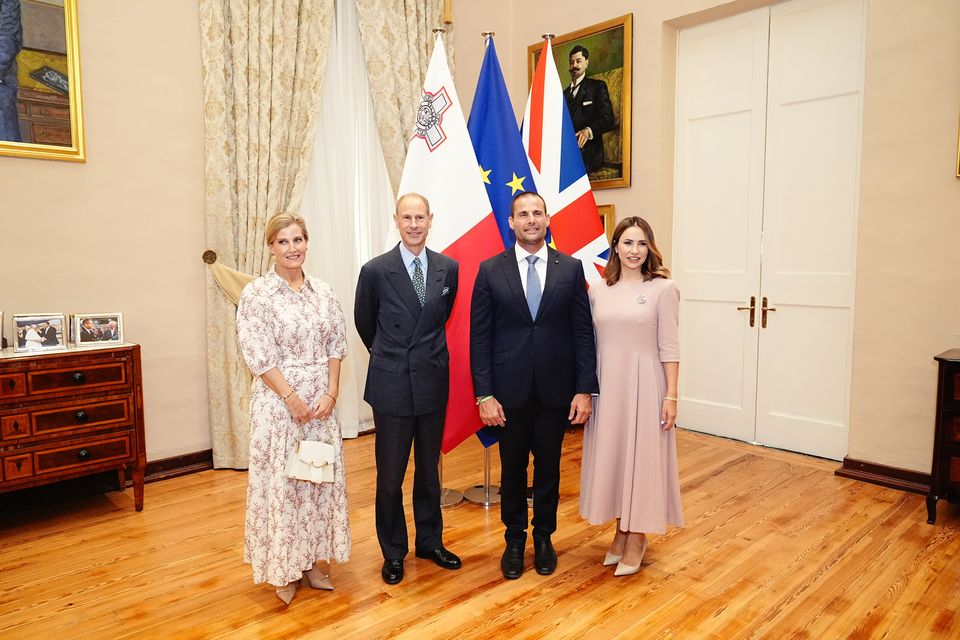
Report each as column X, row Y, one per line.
column 534, row 367
column 404, row 298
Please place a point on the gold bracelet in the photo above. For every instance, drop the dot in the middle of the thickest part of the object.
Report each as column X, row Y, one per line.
column 669, row 398
column 289, row 393
column 331, row 397
column 481, row 399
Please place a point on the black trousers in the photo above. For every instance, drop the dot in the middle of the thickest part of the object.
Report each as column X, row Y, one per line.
column 538, row 429
column 394, row 437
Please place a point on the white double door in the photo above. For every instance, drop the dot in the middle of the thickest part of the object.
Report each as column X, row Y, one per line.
column 765, row 222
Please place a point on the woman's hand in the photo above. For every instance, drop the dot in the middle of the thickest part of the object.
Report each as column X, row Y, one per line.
column 299, row 410
column 668, row 415
column 323, row 407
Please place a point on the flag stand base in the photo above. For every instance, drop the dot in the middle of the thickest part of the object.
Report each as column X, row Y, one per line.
column 448, row 497
column 484, row 494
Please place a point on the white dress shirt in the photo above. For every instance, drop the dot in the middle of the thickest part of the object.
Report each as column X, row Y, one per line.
column 540, row 266
column 407, row 256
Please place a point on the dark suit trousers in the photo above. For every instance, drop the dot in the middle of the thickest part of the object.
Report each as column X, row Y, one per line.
column 394, row 437
column 538, row 429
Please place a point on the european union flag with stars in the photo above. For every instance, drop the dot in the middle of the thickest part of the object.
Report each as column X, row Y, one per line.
column 496, row 141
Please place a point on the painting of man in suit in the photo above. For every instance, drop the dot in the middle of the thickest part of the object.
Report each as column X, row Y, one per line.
column 11, row 41
column 599, row 60
column 588, row 101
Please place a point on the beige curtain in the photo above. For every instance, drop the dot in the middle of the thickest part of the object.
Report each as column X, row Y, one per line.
column 397, row 40
column 263, row 64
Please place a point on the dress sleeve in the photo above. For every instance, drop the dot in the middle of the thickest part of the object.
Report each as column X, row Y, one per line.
column 337, row 344
column 254, row 332
column 668, row 319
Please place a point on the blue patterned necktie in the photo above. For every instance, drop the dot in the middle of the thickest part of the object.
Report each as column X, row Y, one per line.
column 418, row 283
column 534, row 292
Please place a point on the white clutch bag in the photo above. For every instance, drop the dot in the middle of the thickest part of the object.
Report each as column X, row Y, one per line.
column 312, row 461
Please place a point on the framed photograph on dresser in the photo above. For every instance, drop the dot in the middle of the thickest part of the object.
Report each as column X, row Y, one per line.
column 97, row 329
column 36, row 332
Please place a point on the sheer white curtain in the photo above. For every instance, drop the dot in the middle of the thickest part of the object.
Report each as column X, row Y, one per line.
column 348, row 200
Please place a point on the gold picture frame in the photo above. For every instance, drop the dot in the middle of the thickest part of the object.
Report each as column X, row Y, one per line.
column 610, row 47
column 48, row 100
column 609, row 220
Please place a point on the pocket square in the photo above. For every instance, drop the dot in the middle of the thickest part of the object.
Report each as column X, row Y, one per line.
column 446, row 290
column 586, row 102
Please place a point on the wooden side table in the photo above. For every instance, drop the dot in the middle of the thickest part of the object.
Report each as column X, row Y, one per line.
column 71, row 413
column 945, row 471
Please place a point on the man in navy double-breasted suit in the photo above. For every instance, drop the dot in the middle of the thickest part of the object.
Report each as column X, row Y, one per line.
column 534, row 364
column 404, row 298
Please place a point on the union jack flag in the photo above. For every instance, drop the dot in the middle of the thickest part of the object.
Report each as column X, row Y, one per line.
column 559, row 173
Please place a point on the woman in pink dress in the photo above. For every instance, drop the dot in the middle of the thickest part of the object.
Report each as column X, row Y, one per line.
column 292, row 335
column 629, row 469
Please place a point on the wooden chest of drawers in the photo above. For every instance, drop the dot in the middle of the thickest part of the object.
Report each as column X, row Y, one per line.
column 71, row 413
column 945, row 472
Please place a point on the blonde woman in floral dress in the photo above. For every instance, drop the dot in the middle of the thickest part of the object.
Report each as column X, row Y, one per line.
column 292, row 335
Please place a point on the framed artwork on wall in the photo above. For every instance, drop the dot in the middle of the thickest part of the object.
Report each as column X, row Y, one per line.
column 41, row 109
column 599, row 62
column 608, row 218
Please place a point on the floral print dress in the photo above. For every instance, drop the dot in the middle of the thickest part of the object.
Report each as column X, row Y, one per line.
column 291, row 523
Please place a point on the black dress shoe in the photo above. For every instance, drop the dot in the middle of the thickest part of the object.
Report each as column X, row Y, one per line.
column 392, row 571
column 544, row 557
column 511, row 563
column 441, row 557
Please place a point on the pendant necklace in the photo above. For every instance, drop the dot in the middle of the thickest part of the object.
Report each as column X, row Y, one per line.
column 641, row 299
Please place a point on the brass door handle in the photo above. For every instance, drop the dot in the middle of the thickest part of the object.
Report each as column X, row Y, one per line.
column 752, row 309
column 764, row 308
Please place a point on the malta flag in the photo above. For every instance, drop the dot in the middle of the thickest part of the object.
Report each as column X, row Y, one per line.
column 442, row 165
column 558, row 171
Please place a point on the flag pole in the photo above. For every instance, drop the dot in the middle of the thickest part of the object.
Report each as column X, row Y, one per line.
column 448, row 497
column 484, row 494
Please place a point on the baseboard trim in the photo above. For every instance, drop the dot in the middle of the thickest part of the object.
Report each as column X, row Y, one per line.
column 179, row 465
column 892, row 477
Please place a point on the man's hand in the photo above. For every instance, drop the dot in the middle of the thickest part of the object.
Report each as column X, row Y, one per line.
column 583, row 136
column 580, row 408
column 491, row 413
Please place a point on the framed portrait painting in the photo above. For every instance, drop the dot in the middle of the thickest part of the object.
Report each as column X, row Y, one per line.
column 597, row 91
column 41, row 112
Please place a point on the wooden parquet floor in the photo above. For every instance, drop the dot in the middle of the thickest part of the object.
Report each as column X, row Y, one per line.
column 775, row 546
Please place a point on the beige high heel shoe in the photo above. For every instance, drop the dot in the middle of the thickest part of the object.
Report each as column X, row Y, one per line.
column 611, row 559
column 627, row 570
column 287, row 592
column 317, row 579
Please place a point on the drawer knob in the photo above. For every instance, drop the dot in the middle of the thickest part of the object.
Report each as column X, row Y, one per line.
column 16, row 425
column 11, row 383
column 83, row 454
column 81, row 416
column 79, row 378
column 19, row 465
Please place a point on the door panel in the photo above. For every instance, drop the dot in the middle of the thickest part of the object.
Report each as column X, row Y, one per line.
column 766, row 199
column 721, row 93
column 810, row 224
